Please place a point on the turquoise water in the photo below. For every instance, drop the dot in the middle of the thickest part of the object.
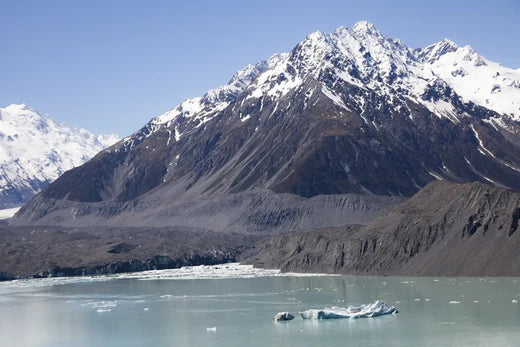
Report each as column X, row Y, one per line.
column 172, row 309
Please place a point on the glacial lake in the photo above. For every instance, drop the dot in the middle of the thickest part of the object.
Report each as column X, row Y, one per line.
column 237, row 303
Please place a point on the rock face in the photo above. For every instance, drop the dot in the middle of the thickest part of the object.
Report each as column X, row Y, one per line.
column 444, row 230
column 35, row 150
column 351, row 112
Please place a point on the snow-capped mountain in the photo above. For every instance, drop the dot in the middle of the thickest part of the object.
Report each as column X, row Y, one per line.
column 475, row 78
column 35, row 150
column 351, row 111
column 364, row 57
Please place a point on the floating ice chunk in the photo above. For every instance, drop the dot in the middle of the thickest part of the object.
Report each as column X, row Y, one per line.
column 101, row 306
column 283, row 316
column 375, row 309
column 145, row 309
column 212, row 329
column 454, row 302
column 514, row 301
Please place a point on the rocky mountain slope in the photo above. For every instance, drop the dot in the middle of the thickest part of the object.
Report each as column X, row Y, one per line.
column 350, row 112
column 35, row 150
column 446, row 229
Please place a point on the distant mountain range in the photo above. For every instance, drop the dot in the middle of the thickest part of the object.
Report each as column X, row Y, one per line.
column 35, row 150
column 349, row 123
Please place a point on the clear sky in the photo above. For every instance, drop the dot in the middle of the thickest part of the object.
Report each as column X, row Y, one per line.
column 110, row 66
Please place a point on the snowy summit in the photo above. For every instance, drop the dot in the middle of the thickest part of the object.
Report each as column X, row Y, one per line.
column 35, row 150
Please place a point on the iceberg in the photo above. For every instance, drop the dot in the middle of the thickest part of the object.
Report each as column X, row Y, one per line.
column 378, row 308
column 283, row 316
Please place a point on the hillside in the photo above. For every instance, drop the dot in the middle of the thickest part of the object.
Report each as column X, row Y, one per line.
column 444, row 230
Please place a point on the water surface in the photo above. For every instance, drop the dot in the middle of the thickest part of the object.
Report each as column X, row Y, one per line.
column 176, row 308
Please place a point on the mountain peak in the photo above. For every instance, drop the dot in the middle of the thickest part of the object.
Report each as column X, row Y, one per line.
column 18, row 107
column 435, row 51
column 316, row 36
column 447, row 41
column 364, row 27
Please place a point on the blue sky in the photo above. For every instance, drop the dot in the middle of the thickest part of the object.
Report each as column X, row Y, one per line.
column 110, row 66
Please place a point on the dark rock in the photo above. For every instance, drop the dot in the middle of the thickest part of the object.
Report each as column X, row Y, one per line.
column 121, row 248
column 4, row 276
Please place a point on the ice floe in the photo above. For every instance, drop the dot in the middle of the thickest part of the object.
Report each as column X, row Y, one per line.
column 101, row 306
column 375, row 309
column 283, row 316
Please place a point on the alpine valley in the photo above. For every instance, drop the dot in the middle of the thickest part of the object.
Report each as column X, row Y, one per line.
column 329, row 141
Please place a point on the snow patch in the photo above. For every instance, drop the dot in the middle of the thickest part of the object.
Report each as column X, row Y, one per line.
column 482, row 148
column 8, row 212
column 336, row 99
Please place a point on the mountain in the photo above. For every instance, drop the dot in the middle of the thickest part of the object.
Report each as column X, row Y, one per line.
column 35, row 150
column 446, row 229
column 346, row 116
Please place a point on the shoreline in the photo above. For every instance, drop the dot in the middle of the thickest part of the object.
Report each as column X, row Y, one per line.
column 112, row 270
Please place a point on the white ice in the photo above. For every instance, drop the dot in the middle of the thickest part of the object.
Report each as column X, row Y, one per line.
column 222, row 271
column 8, row 213
column 378, row 308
